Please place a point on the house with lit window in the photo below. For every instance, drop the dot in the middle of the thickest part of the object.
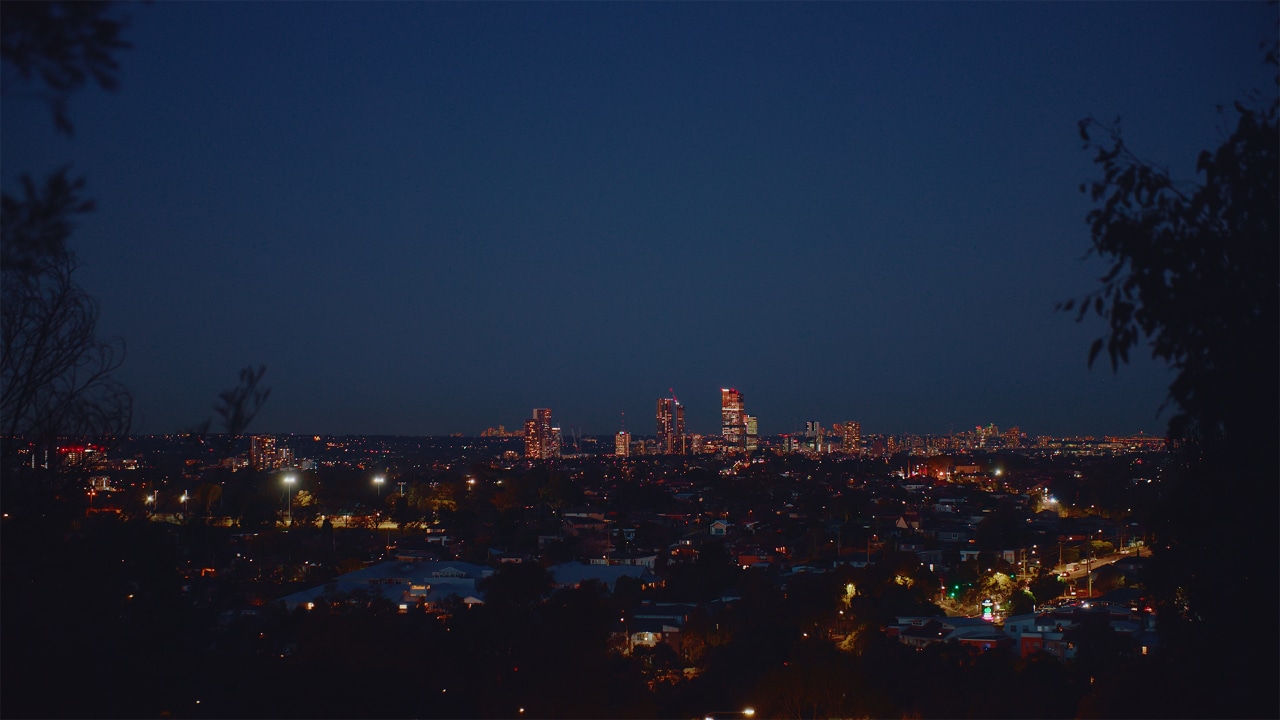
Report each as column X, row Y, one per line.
column 920, row 632
column 407, row 585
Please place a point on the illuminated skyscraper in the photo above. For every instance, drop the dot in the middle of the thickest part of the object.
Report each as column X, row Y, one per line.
column 732, row 426
column 541, row 440
column 622, row 444
column 852, row 438
column 753, row 432
column 670, row 416
column 262, row 452
column 532, row 447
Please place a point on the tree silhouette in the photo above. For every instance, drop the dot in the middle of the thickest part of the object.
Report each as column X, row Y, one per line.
column 55, row 374
column 57, row 47
column 1195, row 270
column 236, row 407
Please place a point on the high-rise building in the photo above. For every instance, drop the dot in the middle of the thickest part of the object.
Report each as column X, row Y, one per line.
column 556, row 446
column 852, row 438
column 622, row 444
column 541, row 439
column 262, row 452
column 670, row 417
column 532, row 447
column 732, row 427
column 1013, row 437
column 753, row 432
column 987, row 434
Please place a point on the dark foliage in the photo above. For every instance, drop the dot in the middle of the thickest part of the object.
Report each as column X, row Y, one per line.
column 1196, row 272
column 58, row 47
column 55, row 373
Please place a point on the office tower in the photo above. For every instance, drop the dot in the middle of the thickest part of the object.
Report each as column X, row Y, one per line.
column 671, row 436
column 732, row 427
column 622, row 444
column 852, row 438
column 753, row 432
column 262, row 452
column 556, row 444
column 532, row 448
column 541, row 439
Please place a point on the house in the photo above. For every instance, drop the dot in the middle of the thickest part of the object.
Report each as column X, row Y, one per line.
column 920, row 632
column 908, row 521
column 572, row 574
column 953, row 533
column 1051, row 631
column 1033, row 633
column 654, row 623
column 405, row 584
column 648, row 560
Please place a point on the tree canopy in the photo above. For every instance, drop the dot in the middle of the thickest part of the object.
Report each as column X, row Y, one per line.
column 1195, row 271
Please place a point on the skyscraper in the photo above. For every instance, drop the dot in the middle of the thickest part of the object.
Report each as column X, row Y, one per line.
column 732, row 426
column 670, row 416
column 622, row 444
column 532, row 446
column 852, row 438
column 753, row 432
column 541, row 440
column 262, row 452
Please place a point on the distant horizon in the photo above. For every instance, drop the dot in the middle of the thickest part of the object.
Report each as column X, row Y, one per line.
column 516, row 435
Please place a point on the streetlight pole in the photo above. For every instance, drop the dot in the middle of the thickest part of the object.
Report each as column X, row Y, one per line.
column 378, row 480
column 289, row 480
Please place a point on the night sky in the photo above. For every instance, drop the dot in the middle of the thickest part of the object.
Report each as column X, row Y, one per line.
column 432, row 218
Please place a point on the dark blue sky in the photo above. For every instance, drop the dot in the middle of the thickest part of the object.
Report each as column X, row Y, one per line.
column 431, row 218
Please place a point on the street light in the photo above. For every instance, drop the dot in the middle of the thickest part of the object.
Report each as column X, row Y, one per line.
column 377, row 481
column 184, row 503
column 289, row 480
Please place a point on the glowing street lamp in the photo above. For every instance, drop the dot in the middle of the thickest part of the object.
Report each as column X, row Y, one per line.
column 378, row 480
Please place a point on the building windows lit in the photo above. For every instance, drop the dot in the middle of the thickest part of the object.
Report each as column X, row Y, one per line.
column 670, row 418
column 541, row 439
column 732, row 426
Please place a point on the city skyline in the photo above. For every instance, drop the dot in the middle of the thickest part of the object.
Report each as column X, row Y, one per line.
column 430, row 218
